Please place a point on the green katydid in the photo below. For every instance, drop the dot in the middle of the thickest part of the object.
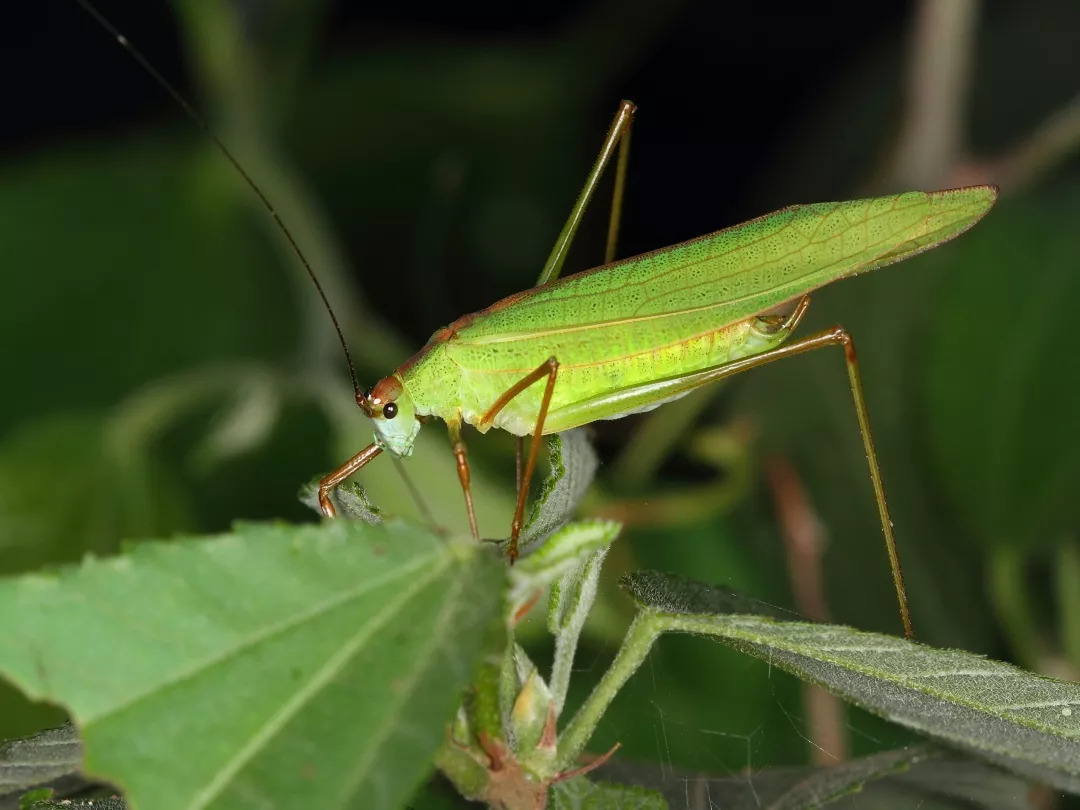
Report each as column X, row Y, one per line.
column 631, row 335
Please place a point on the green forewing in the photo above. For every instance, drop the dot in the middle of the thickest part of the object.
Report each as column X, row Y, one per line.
column 678, row 309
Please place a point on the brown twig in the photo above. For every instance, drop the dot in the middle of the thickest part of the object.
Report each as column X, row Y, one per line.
column 939, row 70
column 1052, row 142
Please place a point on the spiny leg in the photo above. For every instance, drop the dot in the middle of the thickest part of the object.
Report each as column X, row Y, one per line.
column 327, row 483
column 632, row 397
column 838, row 336
column 550, row 369
column 618, row 135
column 463, row 472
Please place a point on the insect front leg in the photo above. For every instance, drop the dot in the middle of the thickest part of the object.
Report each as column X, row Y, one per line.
column 550, row 369
column 329, row 482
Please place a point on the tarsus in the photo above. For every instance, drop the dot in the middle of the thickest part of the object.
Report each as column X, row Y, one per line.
column 201, row 123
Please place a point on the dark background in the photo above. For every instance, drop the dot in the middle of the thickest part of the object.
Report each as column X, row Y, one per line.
column 166, row 367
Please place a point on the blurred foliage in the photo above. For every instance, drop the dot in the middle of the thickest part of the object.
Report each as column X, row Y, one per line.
column 425, row 166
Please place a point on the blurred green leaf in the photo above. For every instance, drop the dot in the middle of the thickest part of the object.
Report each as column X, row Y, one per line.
column 300, row 666
column 1003, row 386
column 922, row 776
column 112, row 294
column 826, row 785
column 67, row 489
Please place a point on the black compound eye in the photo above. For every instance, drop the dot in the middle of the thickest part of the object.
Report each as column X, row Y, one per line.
column 389, row 410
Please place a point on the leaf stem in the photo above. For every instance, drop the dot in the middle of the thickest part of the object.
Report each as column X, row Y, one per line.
column 636, row 645
column 579, row 592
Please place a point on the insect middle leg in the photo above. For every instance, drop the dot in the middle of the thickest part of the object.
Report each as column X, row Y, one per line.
column 463, row 473
column 550, row 369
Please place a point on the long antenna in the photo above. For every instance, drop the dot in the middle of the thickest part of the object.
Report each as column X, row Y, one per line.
column 165, row 85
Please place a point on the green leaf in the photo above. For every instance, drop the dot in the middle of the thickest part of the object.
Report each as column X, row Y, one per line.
column 1025, row 722
column 310, row 666
column 109, row 803
column 581, row 794
column 563, row 552
column 38, row 759
column 826, row 785
column 573, row 465
column 572, row 598
column 674, row 593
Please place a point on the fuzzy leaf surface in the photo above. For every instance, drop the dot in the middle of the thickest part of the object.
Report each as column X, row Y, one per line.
column 285, row 666
column 44, row 757
column 1022, row 721
column 573, row 466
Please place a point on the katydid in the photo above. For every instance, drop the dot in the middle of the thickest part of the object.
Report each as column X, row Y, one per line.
column 631, row 335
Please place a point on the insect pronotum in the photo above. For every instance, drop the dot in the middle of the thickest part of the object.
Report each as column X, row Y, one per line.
column 629, row 336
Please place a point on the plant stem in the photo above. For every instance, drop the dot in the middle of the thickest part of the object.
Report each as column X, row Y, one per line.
column 636, row 645
column 939, row 71
column 579, row 591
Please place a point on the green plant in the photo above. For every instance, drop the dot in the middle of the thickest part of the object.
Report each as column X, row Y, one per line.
column 333, row 666
column 201, row 381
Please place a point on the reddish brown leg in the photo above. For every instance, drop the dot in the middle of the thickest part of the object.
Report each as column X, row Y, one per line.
column 549, row 368
column 517, row 462
column 463, row 472
column 327, row 484
column 838, row 336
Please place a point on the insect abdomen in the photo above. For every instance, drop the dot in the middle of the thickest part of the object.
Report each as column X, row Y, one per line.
column 586, row 371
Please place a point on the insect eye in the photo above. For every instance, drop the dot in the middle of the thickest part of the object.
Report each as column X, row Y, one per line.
column 389, row 410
